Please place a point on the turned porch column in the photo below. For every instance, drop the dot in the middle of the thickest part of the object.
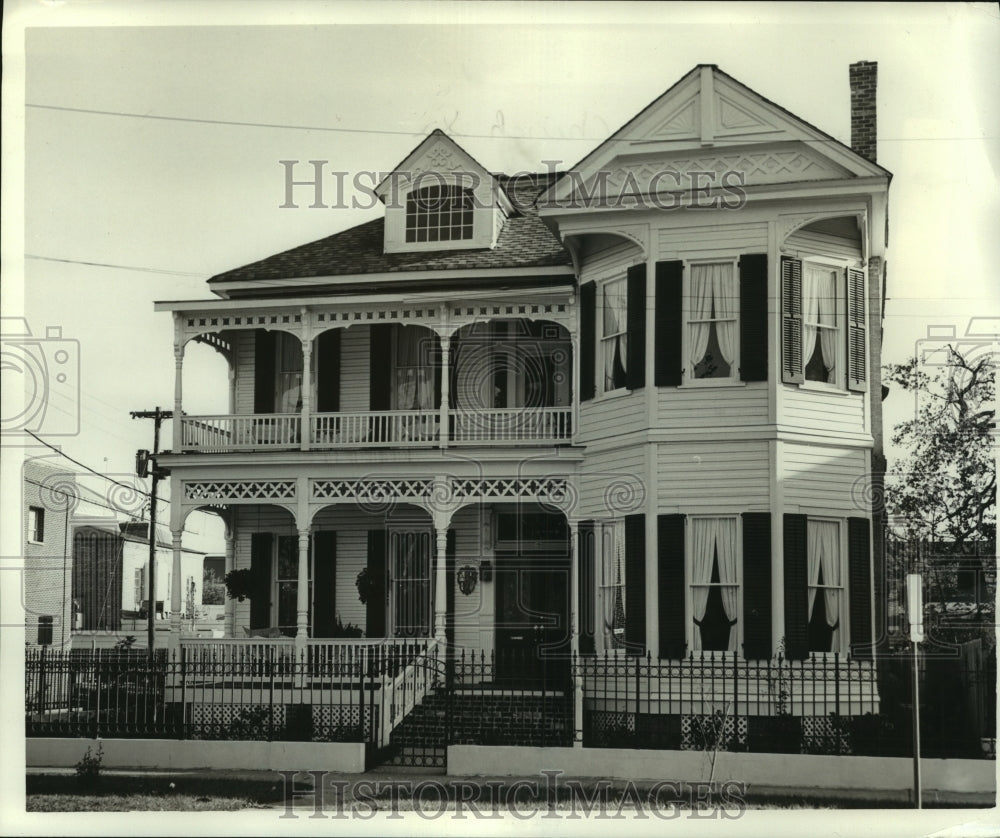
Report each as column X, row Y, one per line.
column 442, row 521
column 445, row 385
column 176, row 587
column 302, row 588
column 230, row 611
column 178, row 387
column 574, row 630
column 306, row 387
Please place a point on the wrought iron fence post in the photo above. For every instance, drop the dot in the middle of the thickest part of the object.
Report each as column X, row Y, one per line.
column 97, row 706
column 184, row 710
column 635, row 727
column 270, row 701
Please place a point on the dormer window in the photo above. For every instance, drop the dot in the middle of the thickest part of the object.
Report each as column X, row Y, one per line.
column 441, row 212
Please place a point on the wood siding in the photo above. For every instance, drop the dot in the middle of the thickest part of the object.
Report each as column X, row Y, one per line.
column 354, row 373
column 808, row 243
column 700, row 408
column 829, row 412
column 723, row 476
column 716, row 239
column 612, row 483
column 823, row 480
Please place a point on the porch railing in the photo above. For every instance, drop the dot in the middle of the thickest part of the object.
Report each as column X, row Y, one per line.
column 406, row 683
column 394, row 428
column 241, row 433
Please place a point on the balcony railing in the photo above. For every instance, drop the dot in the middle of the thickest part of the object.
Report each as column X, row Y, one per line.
column 395, row 429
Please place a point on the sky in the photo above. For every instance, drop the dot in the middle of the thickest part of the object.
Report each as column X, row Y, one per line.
column 152, row 136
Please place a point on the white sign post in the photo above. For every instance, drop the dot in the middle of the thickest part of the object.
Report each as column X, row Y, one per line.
column 915, row 617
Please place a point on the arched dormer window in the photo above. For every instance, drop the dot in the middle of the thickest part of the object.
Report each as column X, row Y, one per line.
column 441, row 212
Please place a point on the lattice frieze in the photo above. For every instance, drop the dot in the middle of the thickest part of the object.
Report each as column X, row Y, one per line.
column 371, row 490
column 758, row 166
column 554, row 488
column 239, row 490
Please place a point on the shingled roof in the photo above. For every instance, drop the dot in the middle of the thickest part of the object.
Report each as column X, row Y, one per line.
column 524, row 242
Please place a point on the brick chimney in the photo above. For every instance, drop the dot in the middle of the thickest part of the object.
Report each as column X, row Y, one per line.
column 864, row 78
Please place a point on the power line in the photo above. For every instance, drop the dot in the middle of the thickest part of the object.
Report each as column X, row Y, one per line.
column 420, row 132
column 109, row 265
column 88, row 468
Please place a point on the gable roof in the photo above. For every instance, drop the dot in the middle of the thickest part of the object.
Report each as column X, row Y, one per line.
column 709, row 111
column 524, row 242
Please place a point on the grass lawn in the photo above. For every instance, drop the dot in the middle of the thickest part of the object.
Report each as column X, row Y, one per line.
column 136, row 793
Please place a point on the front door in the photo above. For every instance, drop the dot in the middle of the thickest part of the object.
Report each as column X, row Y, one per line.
column 532, row 616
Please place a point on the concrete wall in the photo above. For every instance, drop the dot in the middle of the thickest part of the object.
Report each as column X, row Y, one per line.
column 175, row 754
column 799, row 772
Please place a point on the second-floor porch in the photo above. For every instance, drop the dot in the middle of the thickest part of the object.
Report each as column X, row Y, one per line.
column 380, row 372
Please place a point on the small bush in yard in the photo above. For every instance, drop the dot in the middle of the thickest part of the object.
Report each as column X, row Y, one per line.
column 88, row 769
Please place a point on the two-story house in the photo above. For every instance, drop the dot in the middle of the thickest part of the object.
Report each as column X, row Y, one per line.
column 631, row 408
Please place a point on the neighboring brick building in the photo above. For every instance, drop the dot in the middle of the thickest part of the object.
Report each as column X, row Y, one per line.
column 49, row 495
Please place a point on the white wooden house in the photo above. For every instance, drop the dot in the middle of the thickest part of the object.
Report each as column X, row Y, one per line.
column 629, row 408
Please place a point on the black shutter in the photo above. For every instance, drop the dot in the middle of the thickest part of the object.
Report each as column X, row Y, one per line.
column 635, row 375
column 328, row 371
column 860, row 583
column 324, row 583
column 261, row 548
column 796, row 588
column 791, row 321
column 756, row 585
column 264, row 358
column 753, row 317
column 585, row 616
column 857, row 356
column 669, row 320
column 635, row 584
column 670, row 585
column 451, row 554
column 375, row 607
column 588, row 340
column 380, row 370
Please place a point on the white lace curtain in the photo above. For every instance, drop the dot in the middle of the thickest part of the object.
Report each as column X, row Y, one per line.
column 414, row 379
column 824, row 553
column 819, row 306
column 613, row 552
column 713, row 297
column 615, row 323
column 713, row 537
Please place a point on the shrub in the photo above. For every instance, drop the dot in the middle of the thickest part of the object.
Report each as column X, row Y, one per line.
column 88, row 769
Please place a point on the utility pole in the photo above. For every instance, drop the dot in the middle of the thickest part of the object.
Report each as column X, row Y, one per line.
column 915, row 615
column 143, row 469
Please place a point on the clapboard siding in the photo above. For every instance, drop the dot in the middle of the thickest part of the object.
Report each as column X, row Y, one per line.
column 473, row 613
column 746, row 237
column 244, row 341
column 613, row 483
column 708, row 409
column 807, row 243
column 823, row 410
column 729, row 476
column 355, row 375
column 603, row 263
column 612, row 417
column 821, row 479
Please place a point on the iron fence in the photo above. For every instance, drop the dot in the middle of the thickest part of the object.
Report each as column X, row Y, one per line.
column 422, row 699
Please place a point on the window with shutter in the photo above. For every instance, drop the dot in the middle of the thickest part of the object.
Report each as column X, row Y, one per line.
column 715, row 583
column 791, row 320
column 753, row 317
column 669, row 319
column 757, row 643
column 711, row 337
column 615, row 338
column 670, row 585
column 588, row 340
column 635, row 584
column 823, row 324
column 857, row 332
column 613, row 601
column 859, row 560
